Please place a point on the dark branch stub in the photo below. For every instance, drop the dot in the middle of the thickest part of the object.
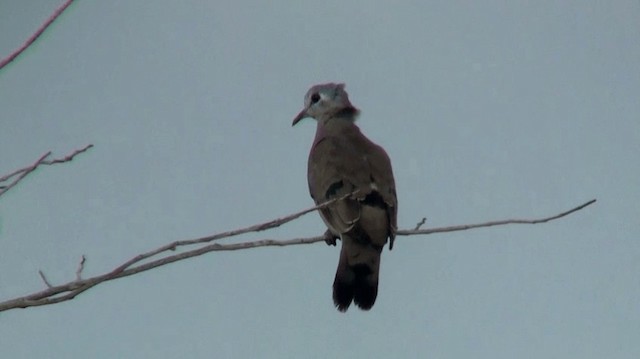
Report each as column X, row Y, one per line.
column 419, row 224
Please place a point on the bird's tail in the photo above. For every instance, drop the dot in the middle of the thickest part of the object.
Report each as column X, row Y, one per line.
column 358, row 281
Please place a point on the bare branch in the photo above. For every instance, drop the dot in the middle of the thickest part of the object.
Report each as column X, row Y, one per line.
column 255, row 228
column 4, row 62
column 24, row 172
column 419, row 224
column 70, row 290
column 492, row 223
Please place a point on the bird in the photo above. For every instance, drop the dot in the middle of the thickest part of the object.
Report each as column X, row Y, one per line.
column 344, row 164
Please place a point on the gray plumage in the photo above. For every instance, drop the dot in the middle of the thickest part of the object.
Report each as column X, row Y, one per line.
column 342, row 160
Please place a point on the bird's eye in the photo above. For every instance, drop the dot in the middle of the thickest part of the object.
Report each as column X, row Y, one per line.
column 315, row 98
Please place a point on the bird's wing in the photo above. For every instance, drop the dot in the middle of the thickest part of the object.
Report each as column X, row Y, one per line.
column 339, row 165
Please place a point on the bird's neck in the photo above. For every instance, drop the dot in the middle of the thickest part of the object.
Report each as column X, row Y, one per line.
column 337, row 125
column 348, row 112
column 344, row 117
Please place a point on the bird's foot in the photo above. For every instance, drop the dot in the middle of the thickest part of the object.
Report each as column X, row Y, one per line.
column 330, row 238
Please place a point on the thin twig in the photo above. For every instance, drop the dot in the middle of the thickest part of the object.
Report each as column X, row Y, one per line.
column 69, row 157
column 25, row 171
column 68, row 291
column 419, row 224
column 4, row 62
column 44, row 279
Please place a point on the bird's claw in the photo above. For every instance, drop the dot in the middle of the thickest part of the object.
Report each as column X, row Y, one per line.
column 330, row 238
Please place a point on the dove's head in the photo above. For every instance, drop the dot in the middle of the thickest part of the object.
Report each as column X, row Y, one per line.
column 326, row 101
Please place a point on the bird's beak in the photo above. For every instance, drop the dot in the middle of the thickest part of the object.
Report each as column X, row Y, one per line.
column 300, row 116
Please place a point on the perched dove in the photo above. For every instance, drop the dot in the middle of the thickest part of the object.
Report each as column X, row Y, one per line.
column 343, row 162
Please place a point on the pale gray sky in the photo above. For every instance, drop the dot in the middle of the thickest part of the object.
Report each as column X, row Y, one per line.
column 489, row 110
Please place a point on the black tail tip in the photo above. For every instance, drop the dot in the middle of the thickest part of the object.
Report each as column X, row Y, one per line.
column 365, row 295
column 365, row 287
column 362, row 290
column 342, row 295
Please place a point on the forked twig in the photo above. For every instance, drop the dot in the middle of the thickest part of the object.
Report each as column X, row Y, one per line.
column 21, row 173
